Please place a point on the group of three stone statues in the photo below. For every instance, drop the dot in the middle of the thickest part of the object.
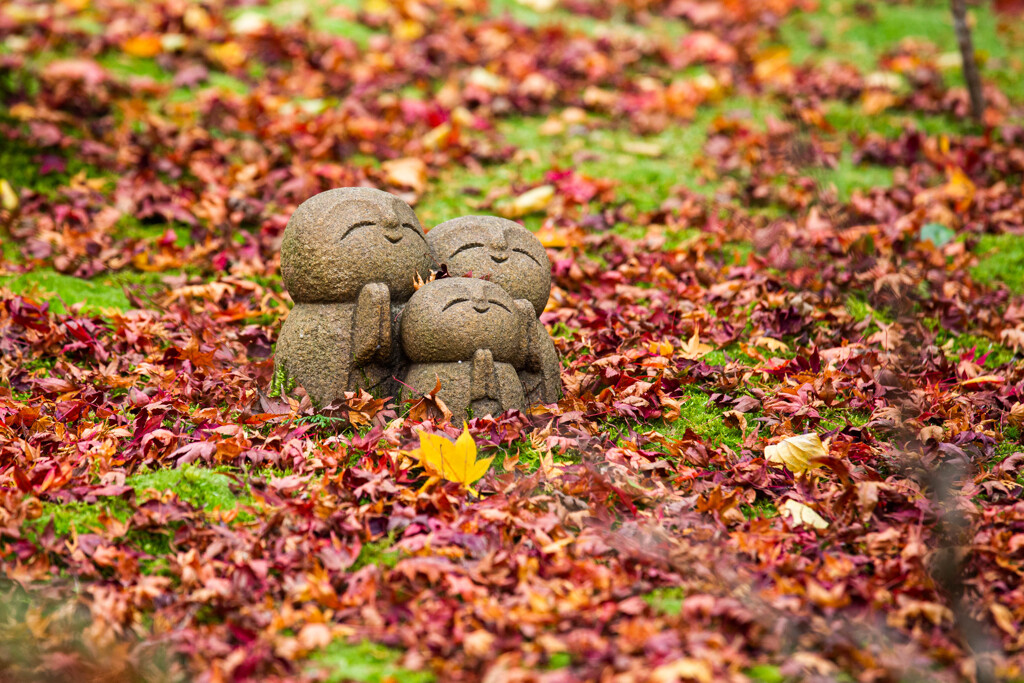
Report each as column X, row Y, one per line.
column 351, row 259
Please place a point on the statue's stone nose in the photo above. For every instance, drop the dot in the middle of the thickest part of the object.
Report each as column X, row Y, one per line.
column 392, row 230
column 481, row 304
column 499, row 250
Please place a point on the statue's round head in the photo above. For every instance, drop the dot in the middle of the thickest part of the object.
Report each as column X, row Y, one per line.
column 340, row 240
column 498, row 250
column 448, row 320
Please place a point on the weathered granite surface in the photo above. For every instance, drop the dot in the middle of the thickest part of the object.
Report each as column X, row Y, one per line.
column 340, row 240
column 498, row 250
column 507, row 254
column 349, row 258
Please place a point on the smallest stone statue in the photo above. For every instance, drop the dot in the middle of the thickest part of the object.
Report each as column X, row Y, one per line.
column 472, row 337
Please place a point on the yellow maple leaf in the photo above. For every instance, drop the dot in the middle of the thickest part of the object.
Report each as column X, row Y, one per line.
column 452, row 461
column 8, row 197
column 694, row 349
column 661, row 348
column 803, row 514
column 796, row 453
column 529, row 202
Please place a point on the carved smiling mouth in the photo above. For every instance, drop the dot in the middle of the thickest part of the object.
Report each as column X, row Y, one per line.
column 394, row 239
column 481, row 307
column 499, row 259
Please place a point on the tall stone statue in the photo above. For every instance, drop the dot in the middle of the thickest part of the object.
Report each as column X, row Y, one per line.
column 349, row 259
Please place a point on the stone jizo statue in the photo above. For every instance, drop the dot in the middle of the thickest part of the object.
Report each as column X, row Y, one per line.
column 351, row 259
column 472, row 336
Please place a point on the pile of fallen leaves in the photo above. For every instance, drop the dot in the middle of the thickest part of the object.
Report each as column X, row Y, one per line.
column 853, row 509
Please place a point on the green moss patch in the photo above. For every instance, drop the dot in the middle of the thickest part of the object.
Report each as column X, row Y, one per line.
column 365, row 662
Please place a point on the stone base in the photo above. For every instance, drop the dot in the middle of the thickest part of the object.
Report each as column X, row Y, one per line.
column 469, row 389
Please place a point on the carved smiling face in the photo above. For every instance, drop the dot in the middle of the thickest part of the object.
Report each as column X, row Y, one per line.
column 498, row 250
column 339, row 240
column 449, row 320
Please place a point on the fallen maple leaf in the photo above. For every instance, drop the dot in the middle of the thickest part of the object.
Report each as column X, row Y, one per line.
column 529, row 202
column 875, row 101
column 8, row 197
column 770, row 343
column 959, row 188
column 982, row 380
column 662, row 348
column 803, row 515
column 694, row 349
column 683, row 669
column 408, row 172
column 230, row 54
column 796, row 453
column 455, row 462
column 145, row 45
column 772, row 65
column 539, row 5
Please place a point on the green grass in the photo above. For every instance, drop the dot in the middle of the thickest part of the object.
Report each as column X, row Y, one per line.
column 963, row 343
column 643, row 180
column 664, row 27
column 529, row 457
column 317, row 12
column 666, row 600
column 204, row 488
column 123, row 66
column 19, row 166
column 378, row 553
column 89, row 518
column 863, row 40
column 761, row 509
column 705, row 420
column 727, row 354
column 48, row 285
column 850, row 118
column 1000, row 260
column 861, row 310
column 558, row 660
column 216, row 81
column 765, row 673
column 366, row 662
column 847, row 177
column 82, row 517
column 837, row 418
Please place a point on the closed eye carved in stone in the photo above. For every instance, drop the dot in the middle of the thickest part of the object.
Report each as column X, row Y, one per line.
column 452, row 303
column 356, row 226
column 410, row 226
column 498, row 303
column 527, row 255
column 464, row 247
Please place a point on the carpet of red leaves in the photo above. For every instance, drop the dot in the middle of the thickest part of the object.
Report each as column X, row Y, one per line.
column 918, row 573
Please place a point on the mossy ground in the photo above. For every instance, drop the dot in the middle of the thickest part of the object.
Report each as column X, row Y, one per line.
column 365, row 662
